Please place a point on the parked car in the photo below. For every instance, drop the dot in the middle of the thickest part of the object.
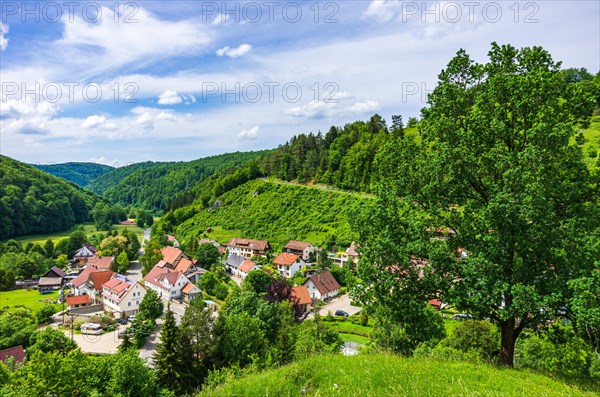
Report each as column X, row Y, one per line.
column 122, row 321
column 91, row 329
column 461, row 316
column 130, row 318
column 341, row 313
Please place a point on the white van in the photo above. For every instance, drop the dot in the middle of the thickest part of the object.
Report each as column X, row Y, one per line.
column 91, row 329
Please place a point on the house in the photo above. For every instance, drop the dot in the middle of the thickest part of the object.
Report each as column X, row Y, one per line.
column 90, row 282
column 122, row 296
column 348, row 257
column 52, row 279
column 300, row 248
column 172, row 255
column 247, row 247
column 100, row 262
column 17, row 353
column 232, row 264
column 322, row 286
column 78, row 301
column 166, row 282
column 190, row 292
column 85, row 251
column 288, row 264
column 172, row 240
column 175, row 259
column 246, row 267
column 301, row 297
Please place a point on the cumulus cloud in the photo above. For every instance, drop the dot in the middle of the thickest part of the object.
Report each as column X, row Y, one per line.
column 27, row 117
column 338, row 108
column 249, row 134
column 220, row 19
column 169, row 97
column 3, row 40
column 94, row 121
column 145, row 121
column 164, row 115
column 234, row 52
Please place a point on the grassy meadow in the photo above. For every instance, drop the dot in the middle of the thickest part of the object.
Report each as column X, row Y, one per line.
column 31, row 299
column 88, row 228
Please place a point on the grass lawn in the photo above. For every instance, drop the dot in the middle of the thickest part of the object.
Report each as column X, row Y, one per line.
column 346, row 327
column 88, row 228
column 223, row 235
column 31, row 299
column 388, row 375
column 363, row 340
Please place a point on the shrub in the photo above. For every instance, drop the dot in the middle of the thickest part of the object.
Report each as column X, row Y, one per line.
column 220, row 291
column 473, row 336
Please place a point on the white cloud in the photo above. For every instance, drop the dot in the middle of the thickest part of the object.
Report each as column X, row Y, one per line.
column 145, row 121
column 249, row 134
column 220, row 19
column 166, row 116
column 363, row 107
column 321, row 109
column 234, row 52
column 94, row 121
column 169, row 97
column 3, row 40
column 383, row 10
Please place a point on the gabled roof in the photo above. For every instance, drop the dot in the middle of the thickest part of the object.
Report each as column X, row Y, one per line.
column 184, row 265
column 157, row 274
column 118, row 287
column 324, row 282
column 17, row 352
column 100, row 277
column 82, row 278
column 234, row 260
column 295, row 245
column 170, row 254
column 208, row 241
column 246, row 266
column 102, row 262
column 171, row 277
column 55, row 272
column 301, row 296
column 161, row 263
column 285, row 259
column 49, row 281
column 189, row 287
column 258, row 245
column 78, row 300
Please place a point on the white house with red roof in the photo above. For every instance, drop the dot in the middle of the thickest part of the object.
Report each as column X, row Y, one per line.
column 190, row 292
column 175, row 259
column 322, row 286
column 288, row 264
column 90, row 282
column 122, row 296
column 247, row 248
column 246, row 267
column 166, row 282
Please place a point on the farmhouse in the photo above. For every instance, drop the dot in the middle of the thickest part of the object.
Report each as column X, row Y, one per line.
column 299, row 248
column 301, row 297
column 232, row 264
column 90, row 282
column 246, row 267
column 122, row 296
column 167, row 283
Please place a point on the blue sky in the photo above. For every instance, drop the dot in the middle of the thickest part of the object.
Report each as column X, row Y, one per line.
column 120, row 82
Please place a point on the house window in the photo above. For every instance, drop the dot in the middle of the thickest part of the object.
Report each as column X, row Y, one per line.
column 129, row 304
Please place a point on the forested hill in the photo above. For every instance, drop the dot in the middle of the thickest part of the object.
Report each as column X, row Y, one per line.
column 150, row 186
column 32, row 201
column 79, row 173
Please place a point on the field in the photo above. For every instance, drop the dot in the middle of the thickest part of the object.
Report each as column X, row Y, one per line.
column 386, row 375
column 88, row 228
column 31, row 299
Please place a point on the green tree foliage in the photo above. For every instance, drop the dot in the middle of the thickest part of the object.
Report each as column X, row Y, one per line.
column 479, row 337
column 151, row 305
column 7, row 279
column 44, row 314
column 49, row 248
column 242, row 339
column 17, row 325
column 50, row 340
column 207, row 255
column 32, row 201
column 105, row 216
column 167, row 360
column 514, row 193
column 122, row 263
column 151, row 255
column 585, row 307
column 79, row 173
column 257, row 281
column 316, row 337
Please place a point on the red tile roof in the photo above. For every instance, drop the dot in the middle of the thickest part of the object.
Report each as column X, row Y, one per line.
column 325, row 282
column 157, row 273
column 102, row 262
column 189, row 287
column 78, row 300
column 184, row 265
column 171, row 277
column 17, row 352
column 100, row 277
column 300, row 295
column 295, row 245
column 285, row 259
column 117, row 288
column 246, row 266
column 170, row 254
column 82, row 278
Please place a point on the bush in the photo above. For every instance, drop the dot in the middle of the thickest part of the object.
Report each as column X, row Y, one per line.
column 45, row 313
column 473, row 336
column 220, row 291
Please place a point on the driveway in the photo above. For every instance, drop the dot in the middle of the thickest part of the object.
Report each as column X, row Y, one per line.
column 135, row 271
column 339, row 303
column 149, row 347
column 100, row 344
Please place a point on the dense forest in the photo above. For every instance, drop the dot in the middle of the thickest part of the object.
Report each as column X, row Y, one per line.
column 32, row 201
column 150, row 186
column 79, row 173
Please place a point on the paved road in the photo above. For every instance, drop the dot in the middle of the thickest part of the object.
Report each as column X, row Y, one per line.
column 149, row 347
column 339, row 303
column 145, row 239
column 103, row 344
column 135, row 271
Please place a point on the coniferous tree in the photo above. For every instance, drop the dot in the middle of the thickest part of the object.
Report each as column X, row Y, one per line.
column 166, row 357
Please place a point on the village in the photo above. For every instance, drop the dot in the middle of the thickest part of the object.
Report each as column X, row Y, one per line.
column 99, row 305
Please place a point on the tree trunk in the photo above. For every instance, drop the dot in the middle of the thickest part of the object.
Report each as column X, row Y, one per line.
column 507, row 344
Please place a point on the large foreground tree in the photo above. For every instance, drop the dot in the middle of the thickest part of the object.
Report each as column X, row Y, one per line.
column 495, row 173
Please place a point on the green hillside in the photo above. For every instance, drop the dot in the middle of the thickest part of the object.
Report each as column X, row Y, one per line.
column 150, row 186
column 277, row 212
column 32, row 201
column 387, row 375
column 79, row 173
